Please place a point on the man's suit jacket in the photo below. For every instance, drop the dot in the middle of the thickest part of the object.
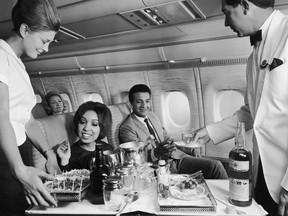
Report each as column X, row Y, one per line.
column 132, row 129
column 267, row 96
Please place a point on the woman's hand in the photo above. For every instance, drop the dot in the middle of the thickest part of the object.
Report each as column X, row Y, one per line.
column 64, row 152
column 35, row 191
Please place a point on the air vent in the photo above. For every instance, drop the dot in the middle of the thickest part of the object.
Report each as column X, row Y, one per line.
column 165, row 14
column 67, row 34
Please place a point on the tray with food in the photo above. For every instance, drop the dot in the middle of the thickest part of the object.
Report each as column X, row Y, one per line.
column 188, row 193
column 69, row 186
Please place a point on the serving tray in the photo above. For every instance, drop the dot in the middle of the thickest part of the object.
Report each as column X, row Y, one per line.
column 70, row 186
column 200, row 201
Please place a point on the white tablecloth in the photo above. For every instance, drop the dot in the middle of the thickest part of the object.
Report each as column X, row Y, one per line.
column 147, row 202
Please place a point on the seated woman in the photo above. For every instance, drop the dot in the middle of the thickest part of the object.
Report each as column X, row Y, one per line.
column 91, row 123
column 53, row 103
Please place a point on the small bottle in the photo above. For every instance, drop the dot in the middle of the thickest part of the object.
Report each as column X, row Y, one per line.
column 163, row 180
column 98, row 174
column 240, row 170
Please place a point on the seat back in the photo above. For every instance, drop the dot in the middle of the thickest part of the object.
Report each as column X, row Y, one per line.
column 58, row 128
column 119, row 113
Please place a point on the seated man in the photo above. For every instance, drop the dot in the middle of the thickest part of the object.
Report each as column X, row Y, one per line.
column 136, row 127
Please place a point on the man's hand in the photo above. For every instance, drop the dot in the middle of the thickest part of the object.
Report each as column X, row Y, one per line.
column 35, row 191
column 165, row 149
column 196, row 152
column 283, row 203
column 201, row 136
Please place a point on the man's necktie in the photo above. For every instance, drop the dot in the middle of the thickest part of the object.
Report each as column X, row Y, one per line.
column 256, row 37
column 151, row 130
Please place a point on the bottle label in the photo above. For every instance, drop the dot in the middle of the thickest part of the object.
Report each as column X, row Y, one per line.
column 239, row 189
column 241, row 166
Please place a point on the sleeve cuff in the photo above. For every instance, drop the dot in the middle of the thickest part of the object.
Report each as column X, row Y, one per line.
column 284, row 182
column 153, row 156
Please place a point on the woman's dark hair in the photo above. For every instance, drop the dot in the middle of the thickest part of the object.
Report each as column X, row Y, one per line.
column 46, row 101
column 39, row 15
column 103, row 113
column 258, row 3
column 138, row 88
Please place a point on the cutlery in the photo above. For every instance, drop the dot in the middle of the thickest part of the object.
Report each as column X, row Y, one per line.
column 131, row 197
column 230, row 209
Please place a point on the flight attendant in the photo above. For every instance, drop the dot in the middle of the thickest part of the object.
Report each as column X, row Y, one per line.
column 35, row 25
column 266, row 101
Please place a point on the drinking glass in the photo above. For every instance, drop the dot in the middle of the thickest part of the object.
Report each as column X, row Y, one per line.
column 112, row 159
column 127, row 174
column 113, row 194
column 187, row 136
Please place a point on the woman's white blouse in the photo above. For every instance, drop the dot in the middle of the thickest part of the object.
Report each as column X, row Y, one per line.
column 21, row 94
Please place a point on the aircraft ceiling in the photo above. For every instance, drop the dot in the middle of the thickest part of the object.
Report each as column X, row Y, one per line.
column 100, row 26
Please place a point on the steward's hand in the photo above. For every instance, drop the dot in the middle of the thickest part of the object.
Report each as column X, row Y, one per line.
column 35, row 191
column 201, row 136
column 283, row 203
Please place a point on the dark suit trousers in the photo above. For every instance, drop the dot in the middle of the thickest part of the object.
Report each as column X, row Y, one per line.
column 262, row 195
column 211, row 169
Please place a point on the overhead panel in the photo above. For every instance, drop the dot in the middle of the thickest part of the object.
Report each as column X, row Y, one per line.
column 171, row 13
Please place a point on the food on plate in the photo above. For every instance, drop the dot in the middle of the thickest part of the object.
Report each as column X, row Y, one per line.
column 188, row 186
column 72, row 181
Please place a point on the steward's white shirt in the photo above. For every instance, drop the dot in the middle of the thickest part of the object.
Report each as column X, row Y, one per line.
column 21, row 94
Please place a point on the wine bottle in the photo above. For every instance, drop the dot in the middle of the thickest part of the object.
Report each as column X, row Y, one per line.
column 163, row 180
column 240, row 170
column 98, row 174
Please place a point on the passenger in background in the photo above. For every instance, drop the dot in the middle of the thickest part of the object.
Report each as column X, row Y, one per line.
column 91, row 122
column 135, row 128
column 53, row 103
column 266, row 101
column 35, row 25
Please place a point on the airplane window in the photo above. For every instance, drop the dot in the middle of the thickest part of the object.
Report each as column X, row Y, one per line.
column 178, row 109
column 92, row 97
column 124, row 97
column 226, row 103
column 67, row 102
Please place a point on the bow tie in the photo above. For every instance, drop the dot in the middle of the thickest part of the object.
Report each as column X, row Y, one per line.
column 256, row 37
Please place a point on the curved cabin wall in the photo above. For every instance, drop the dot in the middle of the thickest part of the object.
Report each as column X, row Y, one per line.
column 199, row 70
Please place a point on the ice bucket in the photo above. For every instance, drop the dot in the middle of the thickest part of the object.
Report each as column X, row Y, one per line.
column 133, row 152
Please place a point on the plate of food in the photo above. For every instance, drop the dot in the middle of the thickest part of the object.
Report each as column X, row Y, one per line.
column 188, row 145
column 188, row 189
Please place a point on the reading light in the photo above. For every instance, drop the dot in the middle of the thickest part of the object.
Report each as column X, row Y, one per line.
column 153, row 16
